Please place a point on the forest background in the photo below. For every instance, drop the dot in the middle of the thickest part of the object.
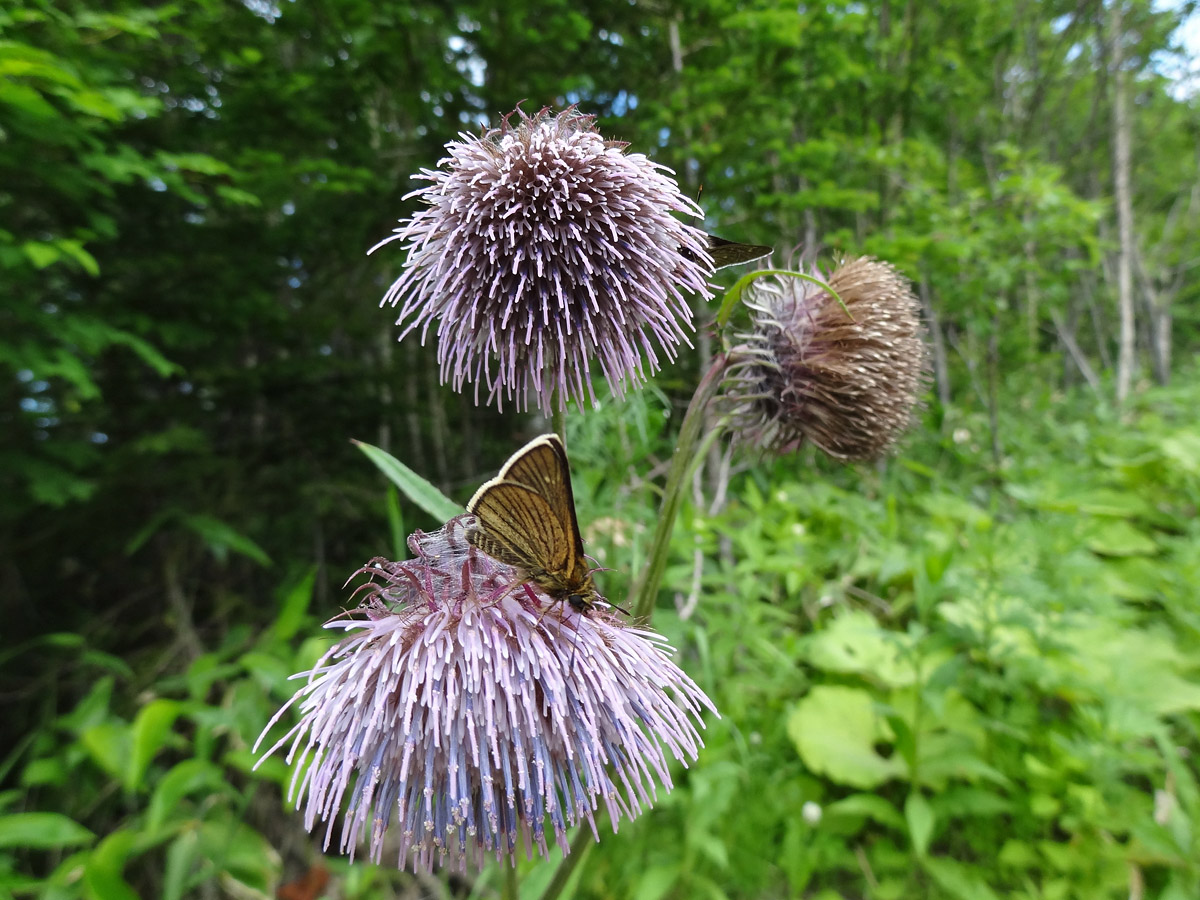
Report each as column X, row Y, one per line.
column 971, row 671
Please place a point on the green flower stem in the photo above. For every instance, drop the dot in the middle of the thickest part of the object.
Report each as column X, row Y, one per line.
column 642, row 599
column 580, row 845
column 510, row 890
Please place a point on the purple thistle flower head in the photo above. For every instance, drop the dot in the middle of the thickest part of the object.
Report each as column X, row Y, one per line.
column 807, row 371
column 542, row 246
column 465, row 710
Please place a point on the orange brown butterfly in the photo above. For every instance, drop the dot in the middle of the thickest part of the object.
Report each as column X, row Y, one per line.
column 525, row 517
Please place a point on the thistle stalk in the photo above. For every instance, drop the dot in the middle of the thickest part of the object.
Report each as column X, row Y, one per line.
column 643, row 596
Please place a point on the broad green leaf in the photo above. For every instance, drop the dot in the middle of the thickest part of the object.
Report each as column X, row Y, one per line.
column 1183, row 449
column 416, row 488
column 1119, row 538
column 920, row 818
column 834, row 729
column 853, row 643
column 42, row 831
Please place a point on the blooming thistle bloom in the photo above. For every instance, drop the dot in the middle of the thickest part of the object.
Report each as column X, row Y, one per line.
column 807, row 371
column 465, row 709
column 540, row 246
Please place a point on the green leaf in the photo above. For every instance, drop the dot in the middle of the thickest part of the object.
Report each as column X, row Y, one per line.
column 243, row 853
column 103, row 876
column 834, row 729
column 42, row 255
column 1119, row 538
column 42, row 831
column 185, row 778
column 957, row 879
column 93, row 708
column 109, row 745
column 222, row 537
column 416, row 488
column 920, row 818
column 395, row 519
column 295, row 606
column 733, row 296
column 870, row 806
column 853, row 643
column 1183, row 449
column 149, row 733
column 181, row 859
column 655, row 881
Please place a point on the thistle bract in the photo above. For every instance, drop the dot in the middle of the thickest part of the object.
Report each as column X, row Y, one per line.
column 466, row 715
column 546, row 254
column 845, row 379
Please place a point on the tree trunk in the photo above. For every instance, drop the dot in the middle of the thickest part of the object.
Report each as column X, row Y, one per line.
column 937, row 345
column 1120, row 137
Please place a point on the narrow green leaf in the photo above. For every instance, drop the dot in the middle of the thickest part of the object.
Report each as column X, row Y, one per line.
column 42, row 831
column 222, row 537
column 109, row 746
column 733, row 296
column 656, row 881
column 395, row 519
column 150, row 731
column 957, row 879
column 296, row 598
column 187, row 777
column 103, row 877
column 181, row 858
column 416, row 488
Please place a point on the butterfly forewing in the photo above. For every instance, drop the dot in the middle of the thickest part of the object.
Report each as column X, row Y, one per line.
column 730, row 253
column 526, row 518
column 542, row 465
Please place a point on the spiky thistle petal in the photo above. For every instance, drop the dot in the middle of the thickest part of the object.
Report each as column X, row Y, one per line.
column 464, row 710
column 544, row 252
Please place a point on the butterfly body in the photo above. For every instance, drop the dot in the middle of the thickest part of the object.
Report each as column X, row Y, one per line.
column 525, row 517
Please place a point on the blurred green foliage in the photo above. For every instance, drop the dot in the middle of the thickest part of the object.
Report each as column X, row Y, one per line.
column 968, row 673
column 931, row 684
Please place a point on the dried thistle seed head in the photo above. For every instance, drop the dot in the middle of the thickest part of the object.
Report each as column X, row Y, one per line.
column 465, row 711
column 808, row 371
column 546, row 254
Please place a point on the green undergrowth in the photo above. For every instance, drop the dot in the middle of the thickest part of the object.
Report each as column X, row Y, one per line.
column 958, row 675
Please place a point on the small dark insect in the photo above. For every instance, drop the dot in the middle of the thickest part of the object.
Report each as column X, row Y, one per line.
column 526, row 518
column 730, row 253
